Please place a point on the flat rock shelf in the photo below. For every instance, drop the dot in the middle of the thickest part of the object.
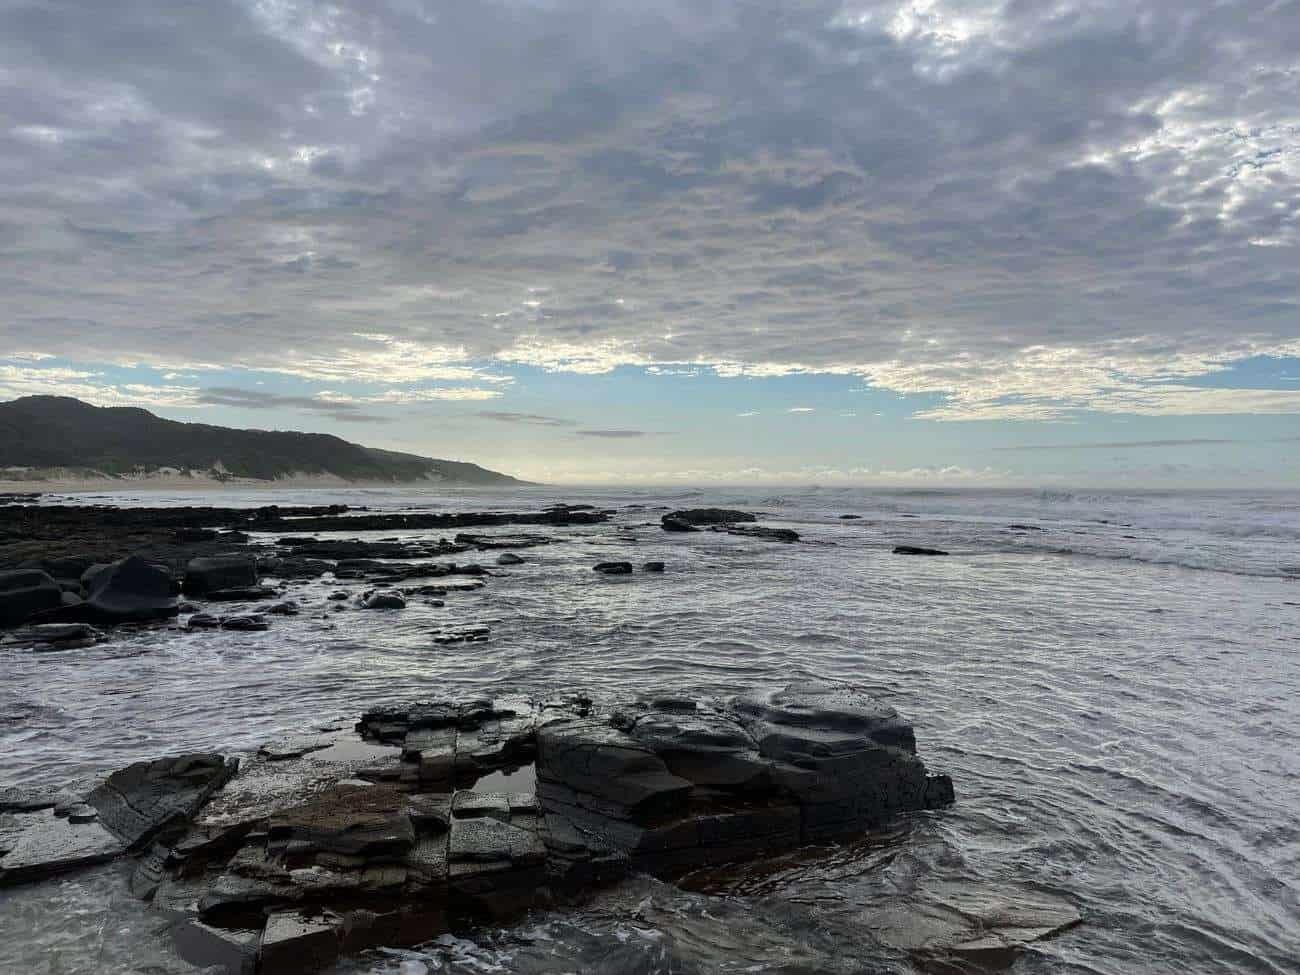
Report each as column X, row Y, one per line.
column 404, row 827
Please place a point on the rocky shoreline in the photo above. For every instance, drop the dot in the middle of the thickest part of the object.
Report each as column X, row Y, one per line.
column 443, row 815
column 437, row 816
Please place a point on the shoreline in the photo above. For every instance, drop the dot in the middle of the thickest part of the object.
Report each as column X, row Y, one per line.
column 111, row 485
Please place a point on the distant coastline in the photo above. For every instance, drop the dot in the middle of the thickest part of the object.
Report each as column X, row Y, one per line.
column 114, row 483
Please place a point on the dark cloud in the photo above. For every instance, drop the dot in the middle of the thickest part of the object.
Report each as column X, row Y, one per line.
column 251, row 399
column 962, row 197
column 528, row 419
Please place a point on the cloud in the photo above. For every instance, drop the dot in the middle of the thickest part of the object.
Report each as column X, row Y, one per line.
column 801, row 409
column 249, row 399
column 527, row 419
column 616, row 434
column 749, row 413
column 87, row 385
column 1021, row 210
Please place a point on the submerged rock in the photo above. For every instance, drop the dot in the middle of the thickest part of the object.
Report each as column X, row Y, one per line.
column 613, row 568
column 762, row 531
column 509, row 558
column 917, row 550
column 653, row 567
column 246, row 594
column 987, row 928
column 464, row 634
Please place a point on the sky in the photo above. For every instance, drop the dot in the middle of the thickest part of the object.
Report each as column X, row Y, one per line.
column 919, row 242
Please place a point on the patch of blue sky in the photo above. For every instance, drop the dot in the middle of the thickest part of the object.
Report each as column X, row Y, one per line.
column 1257, row 372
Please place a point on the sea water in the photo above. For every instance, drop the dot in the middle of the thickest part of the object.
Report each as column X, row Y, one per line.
column 1111, row 679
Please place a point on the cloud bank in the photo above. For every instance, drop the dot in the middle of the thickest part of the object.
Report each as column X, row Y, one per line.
column 1022, row 209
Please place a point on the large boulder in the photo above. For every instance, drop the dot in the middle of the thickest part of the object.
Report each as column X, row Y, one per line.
column 131, row 589
column 219, row 572
column 848, row 759
column 706, row 516
column 26, row 592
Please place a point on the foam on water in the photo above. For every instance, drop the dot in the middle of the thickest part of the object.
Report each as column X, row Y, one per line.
column 1121, row 719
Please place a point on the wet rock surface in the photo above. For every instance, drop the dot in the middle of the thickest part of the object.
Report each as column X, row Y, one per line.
column 128, row 810
column 917, row 550
column 761, row 531
column 709, row 516
column 392, row 833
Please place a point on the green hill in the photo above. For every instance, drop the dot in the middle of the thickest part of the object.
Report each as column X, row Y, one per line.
column 47, row 433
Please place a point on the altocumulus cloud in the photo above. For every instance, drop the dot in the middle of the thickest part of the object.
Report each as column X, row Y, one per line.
column 1022, row 208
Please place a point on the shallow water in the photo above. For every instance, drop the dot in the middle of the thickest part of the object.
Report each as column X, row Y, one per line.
column 1115, row 696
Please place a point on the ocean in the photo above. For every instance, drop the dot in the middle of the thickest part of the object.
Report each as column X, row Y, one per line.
column 1111, row 679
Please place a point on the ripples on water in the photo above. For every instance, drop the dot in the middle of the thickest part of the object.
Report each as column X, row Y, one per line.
column 1121, row 721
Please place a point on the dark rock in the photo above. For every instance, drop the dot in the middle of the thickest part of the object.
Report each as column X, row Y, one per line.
column 203, row 621
column 849, row 517
column 295, row 942
column 384, row 599
column 762, row 531
column 186, row 536
column 248, row 623
column 963, row 930
column 614, row 568
column 653, row 567
column 326, row 844
column 337, row 596
column 63, row 568
column 509, row 558
column 131, row 589
column 26, row 592
column 230, row 951
column 286, row 608
column 215, row 573
column 244, row 595
column 708, row 516
column 917, row 550
column 149, row 800
column 672, row 524
column 55, row 636
column 501, row 541
column 18, row 798
column 49, row 844
column 125, row 812
column 466, row 634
